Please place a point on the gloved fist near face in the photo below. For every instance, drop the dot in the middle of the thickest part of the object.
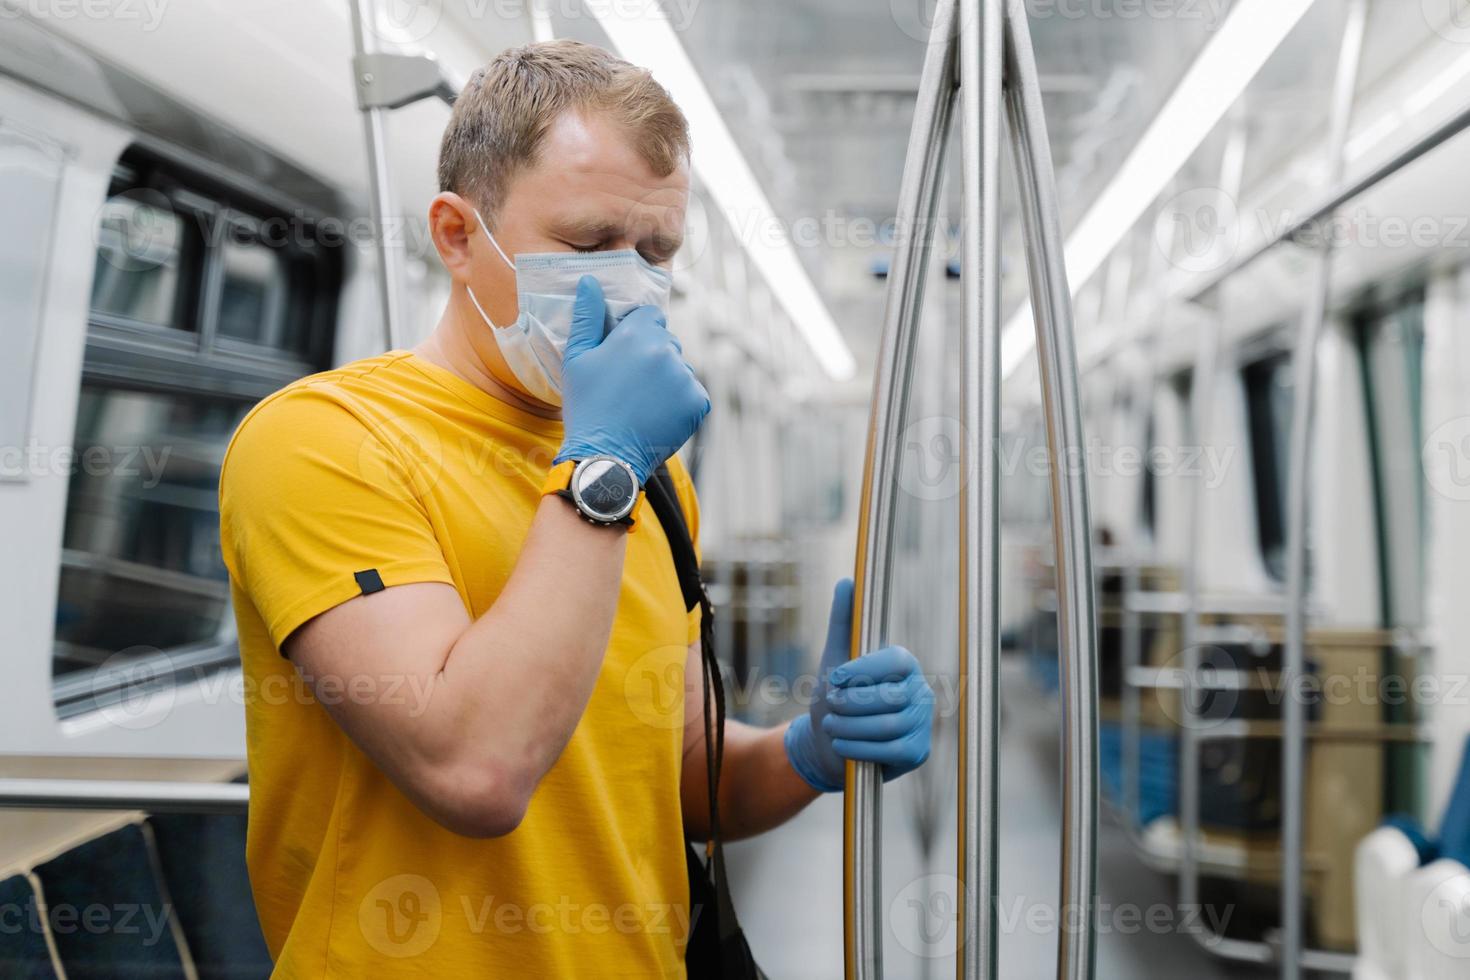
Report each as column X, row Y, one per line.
column 877, row 708
column 629, row 394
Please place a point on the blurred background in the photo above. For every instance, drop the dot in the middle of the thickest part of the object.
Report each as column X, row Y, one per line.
column 193, row 221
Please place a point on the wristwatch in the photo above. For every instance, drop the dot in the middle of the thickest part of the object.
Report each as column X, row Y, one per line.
column 603, row 488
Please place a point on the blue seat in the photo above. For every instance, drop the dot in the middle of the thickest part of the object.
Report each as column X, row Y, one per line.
column 1158, row 767
column 203, row 863
column 108, row 915
column 1398, row 869
column 1453, row 839
column 1454, row 827
column 24, row 954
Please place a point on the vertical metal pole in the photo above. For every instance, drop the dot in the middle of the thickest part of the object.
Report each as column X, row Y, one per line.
column 1304, row 374
column 1076, row 615
column 982, row 43
column 892, row 374
column 383, row 205
column 1201, row 398
column 1132, row 700
column 1201, row 408
column 1129, row 695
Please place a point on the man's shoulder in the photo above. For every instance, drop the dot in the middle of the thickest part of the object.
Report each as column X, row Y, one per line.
column 326, row 413
column 312, row 408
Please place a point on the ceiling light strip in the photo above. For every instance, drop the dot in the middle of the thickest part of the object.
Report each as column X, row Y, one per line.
column 1253, row 30
column 643, row 34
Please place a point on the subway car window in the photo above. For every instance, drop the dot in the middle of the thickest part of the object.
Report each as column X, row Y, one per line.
column 1391, row 349
column 1268, row 416
column 142, row 255
column 149, row 251
column 141, row 575
column 141, row 570
column 1391, row 358
column 253, row 301
column 264, row 282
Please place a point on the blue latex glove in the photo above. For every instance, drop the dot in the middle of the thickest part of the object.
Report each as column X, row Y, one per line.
column 877, row 708
column 630, row 394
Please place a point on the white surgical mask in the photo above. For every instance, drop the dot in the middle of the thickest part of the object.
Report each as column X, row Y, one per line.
column 546, row 292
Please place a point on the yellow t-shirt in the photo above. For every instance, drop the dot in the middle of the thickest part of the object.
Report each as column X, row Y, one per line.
column 395, row 466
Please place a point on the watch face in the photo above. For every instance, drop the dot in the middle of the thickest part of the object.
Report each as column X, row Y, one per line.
column 605, row 489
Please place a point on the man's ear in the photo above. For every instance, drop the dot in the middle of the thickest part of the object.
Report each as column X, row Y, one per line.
column 451, row 223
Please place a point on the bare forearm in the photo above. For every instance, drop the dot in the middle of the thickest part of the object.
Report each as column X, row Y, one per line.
column 519, row 678
column 758, row 788
column 503, row 693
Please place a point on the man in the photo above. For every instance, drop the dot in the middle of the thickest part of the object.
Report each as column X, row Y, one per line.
column 475, row 734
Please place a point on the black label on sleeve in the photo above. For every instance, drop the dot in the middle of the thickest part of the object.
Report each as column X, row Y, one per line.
column 369, row 581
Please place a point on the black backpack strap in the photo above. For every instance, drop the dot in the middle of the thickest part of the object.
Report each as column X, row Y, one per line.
column 664, row 499
column 665, row 502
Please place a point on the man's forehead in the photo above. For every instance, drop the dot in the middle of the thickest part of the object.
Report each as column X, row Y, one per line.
column 593, row 202
column 596, row 150
column 590, row 184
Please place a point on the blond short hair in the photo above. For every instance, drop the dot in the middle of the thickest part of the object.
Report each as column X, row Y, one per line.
column 501, row 117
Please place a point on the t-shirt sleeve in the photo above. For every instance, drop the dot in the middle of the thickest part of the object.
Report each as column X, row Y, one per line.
column 319, row 505
column 689, row 503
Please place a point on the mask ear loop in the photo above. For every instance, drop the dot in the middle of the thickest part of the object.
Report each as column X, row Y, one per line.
column 504, row 258
column 483, row 315
column 486, row 229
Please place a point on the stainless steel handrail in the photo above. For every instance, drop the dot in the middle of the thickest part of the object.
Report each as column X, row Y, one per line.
column 1202, row 399
column 380, row 190
column 1051, row 302
column 1304, row 373
column 385, row 81
column 1178, row 603
column 1231, row 729
column 1338, row 196
column 1131, row 703
column 982, row 45
column 892, row 374
column 154, row 796
column 983, row 31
